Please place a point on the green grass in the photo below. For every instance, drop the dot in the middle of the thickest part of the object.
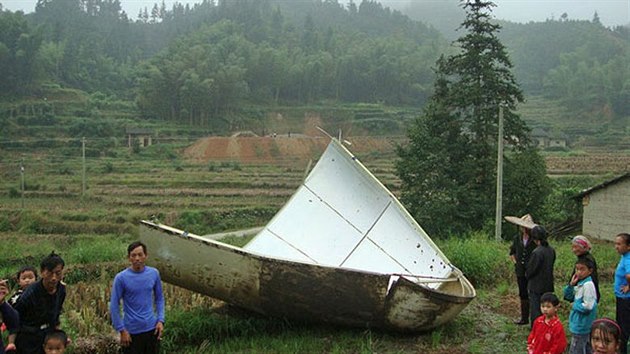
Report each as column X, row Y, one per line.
column 196, row 325
column 92, row 231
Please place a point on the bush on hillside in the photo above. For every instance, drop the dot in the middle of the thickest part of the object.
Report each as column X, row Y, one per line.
column 481, row 259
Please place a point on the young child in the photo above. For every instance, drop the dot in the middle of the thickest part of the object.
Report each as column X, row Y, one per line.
column 547, row 335
column 605, row 336
column 55, row 342
column 581, row 290
column 26, row 276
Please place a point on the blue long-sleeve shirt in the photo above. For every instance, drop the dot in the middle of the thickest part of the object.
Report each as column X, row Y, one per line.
column 623, row 268
column 142, row 300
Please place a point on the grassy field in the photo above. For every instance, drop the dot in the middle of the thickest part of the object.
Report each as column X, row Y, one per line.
column 91, row 231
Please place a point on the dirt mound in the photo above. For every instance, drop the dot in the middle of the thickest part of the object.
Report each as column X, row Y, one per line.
column 277, row 149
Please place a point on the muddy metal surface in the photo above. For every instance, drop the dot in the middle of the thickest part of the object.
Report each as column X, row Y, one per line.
column 300, row 291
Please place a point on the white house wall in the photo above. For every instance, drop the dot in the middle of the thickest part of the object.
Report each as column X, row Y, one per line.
column 607, row 211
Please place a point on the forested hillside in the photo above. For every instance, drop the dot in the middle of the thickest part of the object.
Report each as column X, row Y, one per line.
column 200, row 65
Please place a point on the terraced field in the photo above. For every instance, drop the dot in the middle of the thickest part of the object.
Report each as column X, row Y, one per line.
column 187, row 185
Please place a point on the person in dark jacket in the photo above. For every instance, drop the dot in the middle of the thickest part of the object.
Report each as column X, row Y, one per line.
column 539, row 270
column 581, row 247
column 520, row 251
column 40, row 305
column 9, row 316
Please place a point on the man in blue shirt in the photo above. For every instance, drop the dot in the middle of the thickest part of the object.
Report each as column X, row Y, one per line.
column 622, row 289
column 140, row 289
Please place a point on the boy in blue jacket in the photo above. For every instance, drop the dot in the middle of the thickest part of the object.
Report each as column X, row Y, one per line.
column 581, row 290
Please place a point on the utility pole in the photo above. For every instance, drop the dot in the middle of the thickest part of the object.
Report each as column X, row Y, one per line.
column 497, row 230
column 83, row 178
column 22, row 181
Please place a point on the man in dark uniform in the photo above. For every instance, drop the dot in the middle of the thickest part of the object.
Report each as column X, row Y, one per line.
column 40, row 306
column 521, row 249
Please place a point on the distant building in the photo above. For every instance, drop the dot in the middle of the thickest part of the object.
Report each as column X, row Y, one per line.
column 606, row 208
column 558, row 140
column 543, row 139
column 143, row 136
column 540, row 138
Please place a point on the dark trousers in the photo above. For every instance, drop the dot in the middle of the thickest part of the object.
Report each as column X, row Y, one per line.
column 534, row 306
column 143, row 343
column 623, row 319
column 522, row 287
column 31, row 342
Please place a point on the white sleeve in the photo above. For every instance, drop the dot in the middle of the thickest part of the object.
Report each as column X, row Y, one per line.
column 589, row 297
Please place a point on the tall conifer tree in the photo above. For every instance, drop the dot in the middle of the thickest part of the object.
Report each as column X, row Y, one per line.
column 448, row 168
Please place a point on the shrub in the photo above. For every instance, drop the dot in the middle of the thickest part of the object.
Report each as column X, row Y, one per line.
column 14, row 193
column 481, row 259
column 5, row 224
column 109, row 167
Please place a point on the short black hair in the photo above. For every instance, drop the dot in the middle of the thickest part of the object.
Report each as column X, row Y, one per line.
column 135, row 245
column 26, row 269
column 551, row 298
column 51, row 262
column 539, row 234
column 625, row 236
column 586, row 262
column 57, row 334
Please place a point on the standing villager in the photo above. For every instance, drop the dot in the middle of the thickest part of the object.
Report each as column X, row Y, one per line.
column 9, row 316
column 40, row 306
column 139, row 287
column 581, row 291
column 581, row 247
column 547, row 334
column 539, row 270
column 622, row 289
column 520, row 251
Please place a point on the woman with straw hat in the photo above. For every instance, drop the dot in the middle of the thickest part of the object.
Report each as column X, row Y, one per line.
column 520, row 251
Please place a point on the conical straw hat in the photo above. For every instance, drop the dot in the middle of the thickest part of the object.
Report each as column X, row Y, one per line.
column 525, row 221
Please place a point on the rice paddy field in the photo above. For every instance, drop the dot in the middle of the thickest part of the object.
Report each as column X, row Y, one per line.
column 88, row 210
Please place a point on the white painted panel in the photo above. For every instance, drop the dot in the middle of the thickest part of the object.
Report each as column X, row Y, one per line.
column 268, row 244
column 401, row 239
column 369, row 257
column 340, row 205
column 311, row 226
column 340, row 180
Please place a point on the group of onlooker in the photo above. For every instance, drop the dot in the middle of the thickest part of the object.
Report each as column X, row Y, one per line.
column 31, row 315
column 534, row 262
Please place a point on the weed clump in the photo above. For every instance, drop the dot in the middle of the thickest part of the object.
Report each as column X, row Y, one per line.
column 476, row 256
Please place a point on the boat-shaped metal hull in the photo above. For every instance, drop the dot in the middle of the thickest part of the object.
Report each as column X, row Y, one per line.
column 341, row 250
column 293, row 290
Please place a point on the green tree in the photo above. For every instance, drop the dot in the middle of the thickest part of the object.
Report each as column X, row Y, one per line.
column 448, row 167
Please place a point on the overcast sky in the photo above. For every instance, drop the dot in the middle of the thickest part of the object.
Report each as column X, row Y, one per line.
column 611, row 12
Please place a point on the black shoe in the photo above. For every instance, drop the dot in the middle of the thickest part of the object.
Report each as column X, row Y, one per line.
column 521, row 322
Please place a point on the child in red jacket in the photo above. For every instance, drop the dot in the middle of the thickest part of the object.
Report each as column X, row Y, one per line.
column 547, row 335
